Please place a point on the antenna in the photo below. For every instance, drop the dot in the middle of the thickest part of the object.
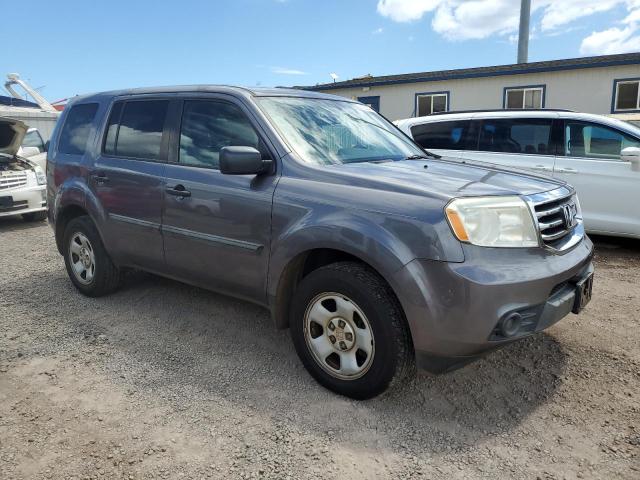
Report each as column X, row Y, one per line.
column 334, row 76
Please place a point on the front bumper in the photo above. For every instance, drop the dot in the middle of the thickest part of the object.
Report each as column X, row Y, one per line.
column 455, row 310
column 24, row 200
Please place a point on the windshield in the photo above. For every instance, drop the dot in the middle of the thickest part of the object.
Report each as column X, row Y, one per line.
column 329, row 132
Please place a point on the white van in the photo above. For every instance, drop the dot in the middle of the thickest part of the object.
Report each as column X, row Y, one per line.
column 598, row 155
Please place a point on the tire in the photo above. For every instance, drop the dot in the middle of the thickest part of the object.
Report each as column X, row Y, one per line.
column 100, row 275
column 322, row 298
column 35, row 216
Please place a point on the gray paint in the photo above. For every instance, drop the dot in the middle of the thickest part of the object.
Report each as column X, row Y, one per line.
column 240, row 234
column 523, row 34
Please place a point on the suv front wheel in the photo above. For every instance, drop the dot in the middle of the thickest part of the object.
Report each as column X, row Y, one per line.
column 88, row 263
column 349, row 330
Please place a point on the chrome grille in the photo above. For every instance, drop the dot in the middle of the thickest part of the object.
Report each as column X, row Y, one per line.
column 13, row 180
column 556, row 218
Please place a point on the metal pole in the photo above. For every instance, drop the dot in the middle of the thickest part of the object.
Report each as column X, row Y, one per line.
column 523, row 38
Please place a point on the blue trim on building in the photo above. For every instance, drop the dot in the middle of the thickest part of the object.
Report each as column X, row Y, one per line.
column 454, row 76
column 520, row 87
column 443, row 92
column 613, row 94
column 373, row 101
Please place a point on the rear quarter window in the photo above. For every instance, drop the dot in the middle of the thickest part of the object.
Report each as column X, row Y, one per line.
column 76, row 129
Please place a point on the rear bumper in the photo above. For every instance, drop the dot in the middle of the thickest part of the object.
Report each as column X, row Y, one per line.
column 455, row 310
column 24, row 200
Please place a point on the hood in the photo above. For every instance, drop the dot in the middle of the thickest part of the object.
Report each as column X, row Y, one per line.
column 12, row 133
column 451, row 177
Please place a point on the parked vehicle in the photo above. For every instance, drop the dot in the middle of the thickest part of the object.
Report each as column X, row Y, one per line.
column 376, row 255
column 22, row 182
column 599, row 156
column 34, row 148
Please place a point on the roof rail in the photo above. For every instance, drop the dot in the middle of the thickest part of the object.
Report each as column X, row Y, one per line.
column 505, row 110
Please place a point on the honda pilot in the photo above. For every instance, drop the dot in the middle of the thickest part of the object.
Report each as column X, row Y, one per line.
column 377, row 255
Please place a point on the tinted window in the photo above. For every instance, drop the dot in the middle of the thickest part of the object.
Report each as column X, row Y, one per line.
column 446, row 135
column 76, row 129
column 33, row 139
column 516, row 136
column 140, row 131
column 112, row 129
column 209, row 126
column 584, row 139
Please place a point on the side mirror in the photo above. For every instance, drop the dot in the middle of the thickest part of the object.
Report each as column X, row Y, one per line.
column 242, row 161
column 631, row 154
column 46, row 146
column 27, row 152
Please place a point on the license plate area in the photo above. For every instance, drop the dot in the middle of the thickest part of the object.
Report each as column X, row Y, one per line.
column 584, row 291
column 6, row 202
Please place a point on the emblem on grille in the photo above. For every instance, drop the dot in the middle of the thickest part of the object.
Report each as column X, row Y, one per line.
column 569, row 213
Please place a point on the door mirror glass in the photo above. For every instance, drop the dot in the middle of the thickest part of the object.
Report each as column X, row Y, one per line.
column 242, row 161
column 631, row 154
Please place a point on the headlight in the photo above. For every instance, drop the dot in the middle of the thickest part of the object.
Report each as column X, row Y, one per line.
column 492, row 221
column 40, row 176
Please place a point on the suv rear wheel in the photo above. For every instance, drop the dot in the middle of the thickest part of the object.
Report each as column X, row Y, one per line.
column 349, row 330
column 88, row 263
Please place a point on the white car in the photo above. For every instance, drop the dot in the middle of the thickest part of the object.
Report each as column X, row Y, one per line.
column 34, row 148
column 22, row 182
column 599, row 156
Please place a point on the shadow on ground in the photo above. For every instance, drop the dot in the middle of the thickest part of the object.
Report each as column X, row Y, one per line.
column 13, row 224
column 183, row 343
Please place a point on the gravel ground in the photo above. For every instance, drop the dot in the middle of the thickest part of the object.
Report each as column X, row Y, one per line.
column 163, row 380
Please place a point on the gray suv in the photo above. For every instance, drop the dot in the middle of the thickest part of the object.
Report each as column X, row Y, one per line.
column 378, row 255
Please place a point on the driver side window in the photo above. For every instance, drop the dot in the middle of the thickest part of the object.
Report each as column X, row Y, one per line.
column 591, row 140
column 208, row 126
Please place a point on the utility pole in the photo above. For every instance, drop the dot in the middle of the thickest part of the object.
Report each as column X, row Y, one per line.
column 523, row 37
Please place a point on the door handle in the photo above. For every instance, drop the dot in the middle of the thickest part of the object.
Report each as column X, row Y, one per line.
column 100, row 178
column 542, row 168
column 179, row 191
column 567, row 170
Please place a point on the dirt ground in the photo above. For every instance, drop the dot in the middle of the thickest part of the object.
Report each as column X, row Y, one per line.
column 162, row 380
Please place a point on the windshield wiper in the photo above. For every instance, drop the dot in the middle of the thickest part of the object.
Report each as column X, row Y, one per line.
column 423, row 157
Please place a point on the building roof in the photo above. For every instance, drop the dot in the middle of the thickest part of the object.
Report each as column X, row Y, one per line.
column 497, row 70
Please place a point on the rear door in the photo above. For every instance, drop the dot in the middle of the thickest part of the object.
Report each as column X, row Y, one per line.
column 217, row 228
column 609, row 190
column 127, row 178
column 451, row 138
column 515, row 142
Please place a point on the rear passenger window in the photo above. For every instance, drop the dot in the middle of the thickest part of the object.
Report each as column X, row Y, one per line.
column 445, row 135
column 208, row 126
column 135, row 129
column 516, row 136
column 76, row 129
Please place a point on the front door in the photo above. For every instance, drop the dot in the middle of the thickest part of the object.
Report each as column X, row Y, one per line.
column 521, row 143
column 608, row 189
column 128, row 177
column 217, row 228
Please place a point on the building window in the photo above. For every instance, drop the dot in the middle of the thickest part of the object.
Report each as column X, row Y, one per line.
column 373, row 102
column 524, row 97
column 429, row 103
column 627, row 97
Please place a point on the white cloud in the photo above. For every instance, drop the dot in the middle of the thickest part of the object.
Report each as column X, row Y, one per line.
column 287, row 71
column 621, row 39
column 377, row 31
column 406, row 10
column 459, row 20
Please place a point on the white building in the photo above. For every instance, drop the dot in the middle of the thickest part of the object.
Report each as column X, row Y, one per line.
column 605, row 84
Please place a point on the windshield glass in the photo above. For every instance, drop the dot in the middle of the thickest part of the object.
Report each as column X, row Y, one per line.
column 329, row 132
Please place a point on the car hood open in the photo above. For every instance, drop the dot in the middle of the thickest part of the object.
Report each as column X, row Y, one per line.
column 12, row 133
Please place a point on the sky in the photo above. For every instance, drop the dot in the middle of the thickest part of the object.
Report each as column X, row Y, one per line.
column 71, row 47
